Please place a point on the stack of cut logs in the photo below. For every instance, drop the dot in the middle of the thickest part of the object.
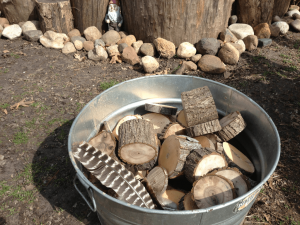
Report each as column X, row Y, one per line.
column 183, row 159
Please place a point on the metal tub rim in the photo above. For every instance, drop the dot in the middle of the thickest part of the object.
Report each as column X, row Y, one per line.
column 187, row 212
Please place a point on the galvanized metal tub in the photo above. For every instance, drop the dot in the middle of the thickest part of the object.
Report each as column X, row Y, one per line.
column 260, row 142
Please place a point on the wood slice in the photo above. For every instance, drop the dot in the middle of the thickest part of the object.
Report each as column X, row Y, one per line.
column 173, row 154
column 173, row 195
column 162, row 109
column 204, row 128
column 239, row 181
column 199, row 106
column 126, row 118
column 212, row 190
column 187, row 202
column 205, row 142
column 181, row 119
column 55, row 15
column 141, row 174
column 201, row 161
column 159, row 121
column 172, row 129
column 158, row 179
column 137, row 144
column 212, row 138
column 232, row 125
column 104, row 141
column 220, row 148
column 237, row 159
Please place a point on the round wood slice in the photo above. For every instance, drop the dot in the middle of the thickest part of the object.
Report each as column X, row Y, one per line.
column 158, row 180
column 204, row 128
column 205, row 142
column 181, row 119
column 104, row 141
column 237, row 159
column 238, row 179
column 173, row 154
column 137, row 144
column 187, row 202
column 162, row 109
column 126, row 118
column 172, row 129
column 201, row 161
column 212, row 190
column 159, row 121
column 232, row 125
column 212, row 138
column 173, row 195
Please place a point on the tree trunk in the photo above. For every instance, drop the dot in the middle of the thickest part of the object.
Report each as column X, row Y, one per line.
column 17, row 11
column 55, row 15
column 89, row 13
column 254, row 12
column 176, row 21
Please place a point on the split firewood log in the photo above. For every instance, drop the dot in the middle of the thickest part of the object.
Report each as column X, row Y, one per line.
column 180, row 118
column 220, row 148
column 205, row 142
column 232, row 125
column 159, row 121
column 173, row 154
column 126, row 118
column 173, row 196
column 199, row 106
column 212, row 138
column 239, row 180
column 137, row 144
column 204, row 128
column 201, row 161
column 187, row 202
column 171, row 129
column 212, row 190
column 141, row 174
column 162, row 109
column 104, row 141
column 237, row 159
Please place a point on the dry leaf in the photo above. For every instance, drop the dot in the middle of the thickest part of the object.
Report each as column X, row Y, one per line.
column 116, row 58
column 77, row 56
column 5, row 111
column 21, row 103
column 5, row 51
column 267, row 217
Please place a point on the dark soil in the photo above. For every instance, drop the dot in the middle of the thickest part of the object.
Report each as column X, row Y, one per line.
column 36, row 176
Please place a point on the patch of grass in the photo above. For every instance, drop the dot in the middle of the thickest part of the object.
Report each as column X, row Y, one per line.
column 30, row 123
column 79, row 106
column 175, row 69
column 262, row 190
column 291, row 68
column 16, row 56
column 35, row 104
column 285, row 56
column 258, row 58
column 6, row 70
column 4, row 106
column 106, row 85
column 20, row 138
column 62, row 135
column 282, row 75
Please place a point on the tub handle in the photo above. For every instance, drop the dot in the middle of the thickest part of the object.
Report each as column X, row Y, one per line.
column 89, row 189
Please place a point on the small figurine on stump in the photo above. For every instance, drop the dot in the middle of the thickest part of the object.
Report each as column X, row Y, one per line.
column 114, row 17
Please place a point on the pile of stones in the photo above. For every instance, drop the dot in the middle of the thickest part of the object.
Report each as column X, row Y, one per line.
column 210, row 54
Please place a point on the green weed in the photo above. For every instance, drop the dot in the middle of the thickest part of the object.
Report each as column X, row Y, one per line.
column 20, row 138
column 285, row 56
column 106, row 85
column 4, row 106
column 30, row 123
column 16, row 56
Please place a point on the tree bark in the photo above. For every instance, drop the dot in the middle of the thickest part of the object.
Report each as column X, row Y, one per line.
column 204, row 128
column 17, row 11
column 89, row 13
column 254, row 12
column 176, row 21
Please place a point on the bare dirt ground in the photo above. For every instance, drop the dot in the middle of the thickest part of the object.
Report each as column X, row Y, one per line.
column 36, row 175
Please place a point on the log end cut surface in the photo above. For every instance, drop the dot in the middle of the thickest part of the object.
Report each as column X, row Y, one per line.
column 159, row 121
column 181, row 118
column 137, row 153
column 104, row 141
column 173, row 195
column 187, row 202
column 158, row 179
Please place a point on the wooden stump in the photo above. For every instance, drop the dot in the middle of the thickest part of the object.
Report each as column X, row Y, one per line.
column 173, row 195
column 137, row 144
column 201, row 161
column 199, row 106
column 212, row 190
column 148, row 20
column 159, row 121
column 104, row 141
column 237, row 159
column 232, row 125
column 162, row 109
column 204, row 128
column 89, row 13
column 205, row 142
column 55, row 15
column 187, row 202
column 180, row 118
column 172, row 129
column 173, row 154
column 126, row 118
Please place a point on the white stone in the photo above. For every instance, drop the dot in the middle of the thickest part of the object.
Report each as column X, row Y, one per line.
column 12, row 31
column 241, row 30
column 92, row 33
column 186, row 50
column 100, row 51
column 69, row 48
column 291, row 13
column 53, row 36
column 150, row 64
column 283, row 26
column 112, row 50
column 27, row 26
column 242, row 44
column 57, row 44
column 78, row 45
column 137, row 45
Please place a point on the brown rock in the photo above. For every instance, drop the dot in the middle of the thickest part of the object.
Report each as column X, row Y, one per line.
column 129, row 56
column 165, row 48
column 196, row 58
column 3, row 21
column 88, row 45
column 92, row 33
column 229, row 54
column 6, row 25
column 148, row 49
column 111, row 37
column 74, row 33
column 251, row 42
column 296, row 16
column 129, row 40
column 238, row 47
column 122, row 34
column 262, row 31
column 275, row 31
column 221, row 42
column 276, row 19
column 288, row 19
column 293, row 7
column 227, row 36
column 211, row 64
